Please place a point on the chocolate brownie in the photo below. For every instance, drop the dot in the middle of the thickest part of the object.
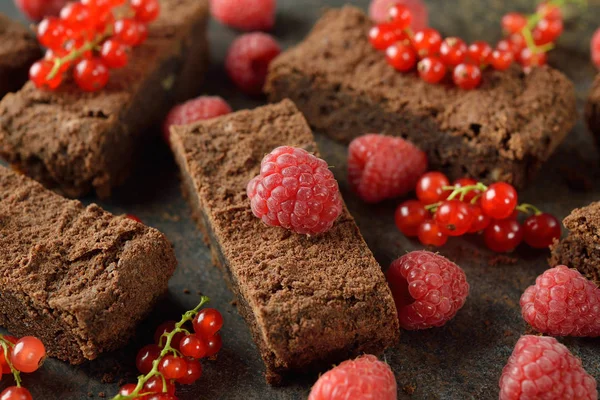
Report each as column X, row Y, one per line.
column 309, row 301
column 581, row 248
column 504, row 130
column 77, row 277
column 75, row 142
column 18, row 50
column 592, row 110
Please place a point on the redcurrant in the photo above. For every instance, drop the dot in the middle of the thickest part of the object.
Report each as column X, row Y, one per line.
column 529, row 59
column 39, row 72
column 145, row 10
column 549, row 11
column 142, row 30
column 479, row 52
column 480, row 221
column 513, row 22
column 466, row 76
column 155, row 385
column 427, row 42
column 384, row 35
column 133, row 218
column 213, row 345
column 453, row 51
column 127, row 389
column 499, row 200
column 518, row 42
column 91, row 75
column 430, row 187
column 51, row 55
column 431, row 69
column 28, row 354
column 503, row 235
column 51, row 33
column 400, row 56
column 192, row 373
column 76, row 17
column 453, row 217
column 165, row 328
column 501, row 60
column 430, row 234
column 541, row 230
column 547, row 31
column 193, row 346
column 15, row 393
column 146, row 356
column 114, row 54
column 409, row 216
column 507, row 45
column 127, row 31
column 3, row 363
column 207, row 322
column 471, row 194
column 160, row 396
column 400, row 16
column 172, row 367
column 77, row 45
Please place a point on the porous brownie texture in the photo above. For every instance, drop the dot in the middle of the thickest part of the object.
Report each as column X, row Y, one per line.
column 18, row 50
column 77, row 277
column 592, row 110
column 503, row 130
column 310, row 301
column 581, row 248
column 76, row 142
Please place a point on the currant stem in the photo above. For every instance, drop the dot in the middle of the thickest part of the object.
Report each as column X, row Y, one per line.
column 6, row 346
column 527, row 208
column 142, row 379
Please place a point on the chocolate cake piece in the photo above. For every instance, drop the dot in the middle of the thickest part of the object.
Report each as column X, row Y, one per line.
column 75, row 142
column 592, row 110
column 581, row 248
column 503, row 130
column 18, row 50
column 77, row 277
column 309, row 301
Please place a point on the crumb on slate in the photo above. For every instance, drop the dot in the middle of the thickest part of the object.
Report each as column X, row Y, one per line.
column 409, row 389
column 186, row 291
column 102, row 394
column 502, row 259
column 108, row 377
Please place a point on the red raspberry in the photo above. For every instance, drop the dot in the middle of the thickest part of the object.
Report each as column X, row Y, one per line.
column 542, row 368
column 35, row 10
column 248, row 60
column 295, row 190
column 562, row 303
column 247, row 15
column 382, row 167
column 595, row 48
column 200, row 108
column 428, row 289
column 362, row 378
column 379, row 12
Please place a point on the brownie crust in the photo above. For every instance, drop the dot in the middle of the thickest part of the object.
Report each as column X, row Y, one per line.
column 18, row 50
column 592, row 110
column 309, row 301
column 75, row 142
column 77, row 277
column 504, row 130
column 581, row 248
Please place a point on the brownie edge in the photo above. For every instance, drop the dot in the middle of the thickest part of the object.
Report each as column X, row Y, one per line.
column 309, row 301
column 77, row 277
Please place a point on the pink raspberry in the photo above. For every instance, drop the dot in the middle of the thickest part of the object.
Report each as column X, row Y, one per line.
column 35, row 10
column 295, row 190
column 203, row 107
column 378, row 11
column 247, row 15
column 562, row 303
column 383, row 167
column 542, row 368
column 595, row 48
column 248, row 60
column 428, row 289
column 363, row 378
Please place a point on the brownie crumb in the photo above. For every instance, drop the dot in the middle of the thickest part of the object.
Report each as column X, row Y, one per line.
column 409, row 389
column 186, row 291
column 102, row 394
column 108, row 377
column 508, row 333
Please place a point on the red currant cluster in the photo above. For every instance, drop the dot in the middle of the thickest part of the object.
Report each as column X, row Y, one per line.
column 92, row 36
column 468, row 206
column 528, row 41
column 19, row 355
column 174, row 358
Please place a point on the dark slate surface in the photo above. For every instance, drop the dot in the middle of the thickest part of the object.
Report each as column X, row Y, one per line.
column 460, row 361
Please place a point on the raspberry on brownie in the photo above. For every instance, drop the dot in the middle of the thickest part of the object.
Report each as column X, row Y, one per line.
column 503, row 130
column 77, row 277
column 310, row 301
column 76, row 142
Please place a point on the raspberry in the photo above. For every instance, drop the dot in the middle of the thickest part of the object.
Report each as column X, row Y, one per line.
column 35, row 10
column 248, row 60
column 542, row 368
column 247, row 15
column 203, row 107
column 295, row 190
column 378, row 11
column 362, row 378
column 595, row 48
column 428, row 289
column 382, row 167
column 562, row 303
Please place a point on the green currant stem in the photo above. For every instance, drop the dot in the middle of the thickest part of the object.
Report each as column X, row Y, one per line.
column 527, row 208
column 6, row 346
column 142, row 379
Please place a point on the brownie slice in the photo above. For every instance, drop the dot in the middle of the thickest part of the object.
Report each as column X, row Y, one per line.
column 504, row 130
column 592, row 110
column 75, row 142
column 18, row 50
column 309, row 301
column 77, row 277
column 581, row 248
